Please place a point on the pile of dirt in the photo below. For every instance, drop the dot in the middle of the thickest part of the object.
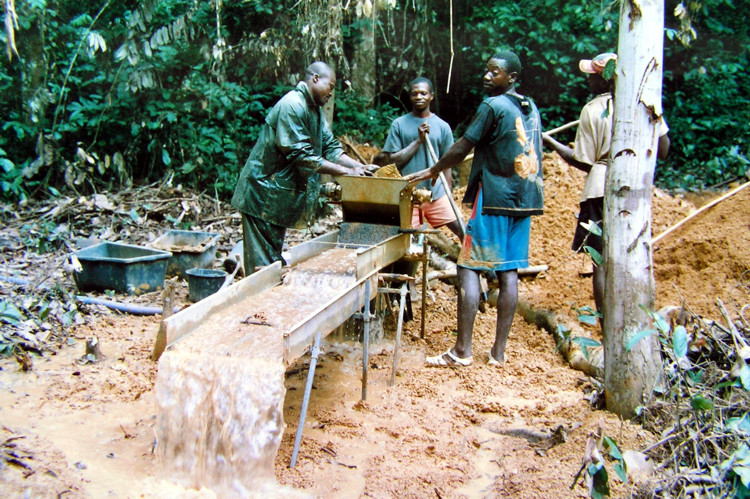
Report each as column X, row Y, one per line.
column 86, row 429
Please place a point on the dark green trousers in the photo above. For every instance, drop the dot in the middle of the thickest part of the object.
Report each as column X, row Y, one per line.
column 261, row 243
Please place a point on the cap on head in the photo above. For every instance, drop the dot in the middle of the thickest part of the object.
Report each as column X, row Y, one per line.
column 597, row 64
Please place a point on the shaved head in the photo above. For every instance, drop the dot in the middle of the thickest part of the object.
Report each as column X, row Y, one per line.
column 319, row 68
column 321, row 80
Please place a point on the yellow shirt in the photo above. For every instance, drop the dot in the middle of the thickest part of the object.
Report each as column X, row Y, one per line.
column 593, row 141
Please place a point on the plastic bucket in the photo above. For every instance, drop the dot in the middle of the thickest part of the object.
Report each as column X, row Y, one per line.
column 204, row 282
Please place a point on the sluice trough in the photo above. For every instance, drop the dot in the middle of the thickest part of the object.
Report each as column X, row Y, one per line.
column 263, row 324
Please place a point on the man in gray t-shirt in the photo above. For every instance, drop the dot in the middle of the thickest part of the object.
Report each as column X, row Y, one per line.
column 405, row 146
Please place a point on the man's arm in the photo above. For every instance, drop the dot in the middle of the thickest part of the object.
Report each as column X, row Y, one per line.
column 455, row 155
column 400, row 158
column 346, row 166
column 565, row 153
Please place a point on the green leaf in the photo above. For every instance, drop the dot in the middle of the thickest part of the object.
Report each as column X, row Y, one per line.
column 679, row 341
column 44, row 311
column 700, row 403
column 165, row 157
column 595, row 255
column 695, row 376
column 585, row 342
column 614, row 451
column 609, row 69
column 743, row 472
column 740, row 425
column 591, row 311
column 188, row 167
column 7, row 164
column 726, row 384
column 745, row 376
column 134, row 215
column 587, row 319
column 661, row 324
column 10, row 313
column 620, row 470
column 638, row 337
column 600, row 488
column 592, row 227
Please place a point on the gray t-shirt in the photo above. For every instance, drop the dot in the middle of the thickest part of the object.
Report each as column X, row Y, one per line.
column 404, row 130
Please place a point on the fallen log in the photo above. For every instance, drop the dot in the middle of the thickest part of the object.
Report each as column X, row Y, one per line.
column 591, row 363
column 451, row 272
column 444, row 244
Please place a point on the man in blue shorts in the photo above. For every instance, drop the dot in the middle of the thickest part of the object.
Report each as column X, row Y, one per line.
column 506, row 189
column 406, row 147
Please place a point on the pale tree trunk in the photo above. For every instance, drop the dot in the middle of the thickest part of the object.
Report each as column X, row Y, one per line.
column 363, row 61
column 631, row 376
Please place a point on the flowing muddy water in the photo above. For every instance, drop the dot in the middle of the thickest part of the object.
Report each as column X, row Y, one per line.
column 220, row 390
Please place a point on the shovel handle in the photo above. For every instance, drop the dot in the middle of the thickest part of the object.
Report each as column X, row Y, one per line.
column 448, row 192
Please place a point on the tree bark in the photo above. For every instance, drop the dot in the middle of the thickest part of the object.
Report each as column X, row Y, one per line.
column 631, row 375
column 363, row 62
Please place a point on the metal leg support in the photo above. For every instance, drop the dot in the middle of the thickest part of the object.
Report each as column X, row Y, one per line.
column 424, row 284
column 306, row 399
column 401, row 307
column 366, row 340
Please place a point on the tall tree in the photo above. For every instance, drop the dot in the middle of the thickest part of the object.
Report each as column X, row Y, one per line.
column 631, row 375
column 364, row 61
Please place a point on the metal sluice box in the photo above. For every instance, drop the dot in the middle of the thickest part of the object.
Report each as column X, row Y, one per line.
column 190, row 249
column 376, row 200
column 124, row 268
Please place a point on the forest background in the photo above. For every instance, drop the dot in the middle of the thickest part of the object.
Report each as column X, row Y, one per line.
column 102, row 95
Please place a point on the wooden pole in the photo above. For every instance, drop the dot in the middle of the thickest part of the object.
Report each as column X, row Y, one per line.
column 563, row 127
column 448, row 192
column 698, row 212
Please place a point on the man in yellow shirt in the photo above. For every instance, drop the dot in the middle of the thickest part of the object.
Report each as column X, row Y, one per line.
column 590, row 153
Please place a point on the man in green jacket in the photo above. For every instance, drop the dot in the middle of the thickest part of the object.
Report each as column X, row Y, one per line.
column 280, row 181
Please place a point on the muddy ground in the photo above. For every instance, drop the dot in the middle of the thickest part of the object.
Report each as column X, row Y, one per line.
column 87, row 430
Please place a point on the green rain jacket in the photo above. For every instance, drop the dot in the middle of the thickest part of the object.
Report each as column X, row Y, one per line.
column 280, row 181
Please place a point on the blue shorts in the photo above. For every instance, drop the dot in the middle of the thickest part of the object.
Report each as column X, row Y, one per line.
column 495, row 242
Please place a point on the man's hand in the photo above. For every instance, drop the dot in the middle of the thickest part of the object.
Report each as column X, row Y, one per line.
column 424, row 129
column 428, row 174
column 364, row 170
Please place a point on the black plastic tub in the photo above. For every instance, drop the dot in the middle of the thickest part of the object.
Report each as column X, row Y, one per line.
column 204, row 282
column 123, row 268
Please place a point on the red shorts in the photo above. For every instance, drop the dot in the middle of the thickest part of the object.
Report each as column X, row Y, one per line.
column 436, row 213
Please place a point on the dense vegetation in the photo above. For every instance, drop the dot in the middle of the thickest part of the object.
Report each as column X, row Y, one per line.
column 101, row 95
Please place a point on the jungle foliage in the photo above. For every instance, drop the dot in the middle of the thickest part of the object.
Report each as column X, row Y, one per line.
column 102, row 95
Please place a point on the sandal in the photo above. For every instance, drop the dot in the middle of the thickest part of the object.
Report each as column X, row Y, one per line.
column 448, row 359
column 492, row 361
